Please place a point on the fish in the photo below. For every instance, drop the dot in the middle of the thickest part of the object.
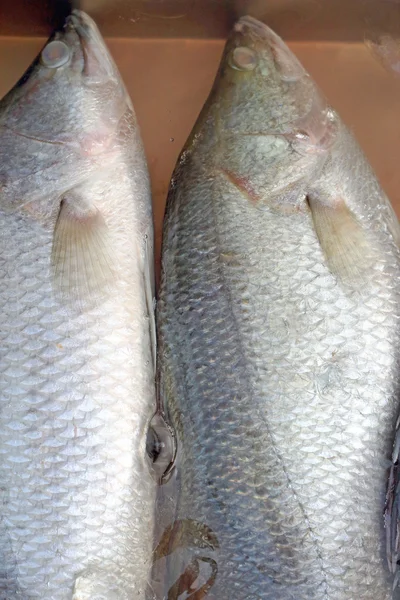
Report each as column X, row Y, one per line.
column 278, row 344
column 77, row 329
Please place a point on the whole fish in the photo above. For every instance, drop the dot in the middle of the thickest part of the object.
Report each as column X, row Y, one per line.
column 76, row 330
column 278, row 343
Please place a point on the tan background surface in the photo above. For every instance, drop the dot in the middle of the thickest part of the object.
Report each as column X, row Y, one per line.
column 169, row 79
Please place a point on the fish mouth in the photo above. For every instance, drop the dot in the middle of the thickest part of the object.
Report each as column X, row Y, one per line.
column 248, row 22
column 84, row 26
column 97, row 61
column 288, row 66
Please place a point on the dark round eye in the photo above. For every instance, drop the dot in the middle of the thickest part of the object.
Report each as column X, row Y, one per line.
column 243, row 59
column 55, row 54
column 160, row 447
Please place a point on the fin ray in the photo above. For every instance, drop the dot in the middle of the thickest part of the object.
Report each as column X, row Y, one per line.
column 342, row 238
column 82, row 261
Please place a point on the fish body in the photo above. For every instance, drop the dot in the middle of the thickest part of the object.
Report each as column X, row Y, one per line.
column 278, row 343
column 76, row 321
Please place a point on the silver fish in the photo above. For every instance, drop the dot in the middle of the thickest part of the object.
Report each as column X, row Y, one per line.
column 278, row 343
column 76, row 330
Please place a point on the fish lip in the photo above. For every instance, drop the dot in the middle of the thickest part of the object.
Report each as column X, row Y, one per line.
column 254, row 25
column 97, row 60
column 86, row 30
column 81, row 23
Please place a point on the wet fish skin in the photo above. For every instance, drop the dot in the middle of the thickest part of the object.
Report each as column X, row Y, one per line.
column 76, row 365
column 278, row 342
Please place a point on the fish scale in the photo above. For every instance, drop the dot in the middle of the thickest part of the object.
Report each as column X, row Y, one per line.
column 59, row 414
column 279, row 342
column 77, row 388
column 265, row 471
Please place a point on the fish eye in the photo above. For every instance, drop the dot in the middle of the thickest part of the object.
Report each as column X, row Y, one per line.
column 55, row 54
column 243, row 59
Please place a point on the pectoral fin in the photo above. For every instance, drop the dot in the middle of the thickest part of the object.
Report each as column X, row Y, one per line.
column 82, row 258
column 344, row 241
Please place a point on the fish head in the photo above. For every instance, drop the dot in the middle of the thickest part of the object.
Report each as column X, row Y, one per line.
column 260, row 74
column 269, row 121
column 62, row 118
column 274, row 145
